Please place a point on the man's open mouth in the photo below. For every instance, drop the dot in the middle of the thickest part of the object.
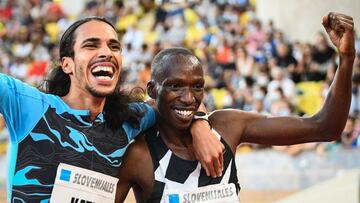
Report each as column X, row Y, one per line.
column 184, row 113
column 103, row 72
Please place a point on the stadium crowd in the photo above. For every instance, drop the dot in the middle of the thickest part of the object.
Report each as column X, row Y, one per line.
column 249, row 64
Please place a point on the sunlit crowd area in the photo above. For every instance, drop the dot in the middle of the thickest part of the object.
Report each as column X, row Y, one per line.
column 250, row 64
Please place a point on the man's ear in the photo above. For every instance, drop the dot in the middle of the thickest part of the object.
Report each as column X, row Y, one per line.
column 67, row 64
column 151, row 89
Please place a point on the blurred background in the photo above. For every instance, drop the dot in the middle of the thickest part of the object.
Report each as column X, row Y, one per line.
column 267, row 56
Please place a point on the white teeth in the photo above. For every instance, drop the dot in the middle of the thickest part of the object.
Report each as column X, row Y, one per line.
column 105, row 69
column 104, row 77
column 102, row 68
column 184, row 112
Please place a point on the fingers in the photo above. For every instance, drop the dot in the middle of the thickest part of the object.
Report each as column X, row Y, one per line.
column 219, row 162
column 221, row 165
column 218, row 165
column 207, row 165
column 212, row 171
column 338, row 22
column 208, row 149
column 222, row 158
column 207, row 170
column 214, row 166
column 340, row 15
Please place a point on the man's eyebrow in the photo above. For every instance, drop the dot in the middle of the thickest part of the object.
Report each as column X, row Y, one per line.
column 115, row 41
column 97, row 40
column 179, row 80
column 91, row 39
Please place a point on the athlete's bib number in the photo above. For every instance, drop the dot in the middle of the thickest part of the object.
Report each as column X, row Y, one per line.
column 78, row 185
column 220, row 193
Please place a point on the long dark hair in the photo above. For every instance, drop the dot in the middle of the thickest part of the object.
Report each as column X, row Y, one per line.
column 57, row 82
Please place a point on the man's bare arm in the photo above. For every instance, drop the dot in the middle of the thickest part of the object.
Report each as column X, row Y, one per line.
column 329, row 122
column 136, row 171
column 207, row 147
column 326, row 125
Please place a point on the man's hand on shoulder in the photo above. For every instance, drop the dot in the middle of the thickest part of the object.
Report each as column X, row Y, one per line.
column 207, row 148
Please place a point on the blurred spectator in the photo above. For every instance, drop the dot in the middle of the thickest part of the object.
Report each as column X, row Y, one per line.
column 257, row 104
column 160, row 16
column 269, row 46
column 285, row 60
column 220, row 96
column 133, row 37
column 225, row 55
column 7, row 11
column 256, row 36
column 144, row 75
column 355, row 99
column 244, row 62
column 323, row 55
column 280, row 107
column 174, row 30
column 356, row 134
column 357, row 42
column 22, row 45
column 350, row 136
column 92, row 8
column 279, row 80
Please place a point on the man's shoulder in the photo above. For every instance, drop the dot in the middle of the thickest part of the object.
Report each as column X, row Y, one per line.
column 225, row 114
column 138, row 147
column 232, row 112
column 229, row 120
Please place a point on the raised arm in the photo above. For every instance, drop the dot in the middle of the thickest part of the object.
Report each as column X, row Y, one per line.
column 334, row 113
column 326, row 125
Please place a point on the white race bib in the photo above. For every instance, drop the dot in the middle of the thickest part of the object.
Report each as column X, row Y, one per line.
column 220, row 193
column 78, row 185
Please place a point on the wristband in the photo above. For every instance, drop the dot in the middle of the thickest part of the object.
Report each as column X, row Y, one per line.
column 199, row 115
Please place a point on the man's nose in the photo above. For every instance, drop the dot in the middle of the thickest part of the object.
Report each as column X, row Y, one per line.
column 105, row 52
column 187, row 96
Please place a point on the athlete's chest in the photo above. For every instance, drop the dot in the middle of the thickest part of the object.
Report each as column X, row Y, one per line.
column 73, row 140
